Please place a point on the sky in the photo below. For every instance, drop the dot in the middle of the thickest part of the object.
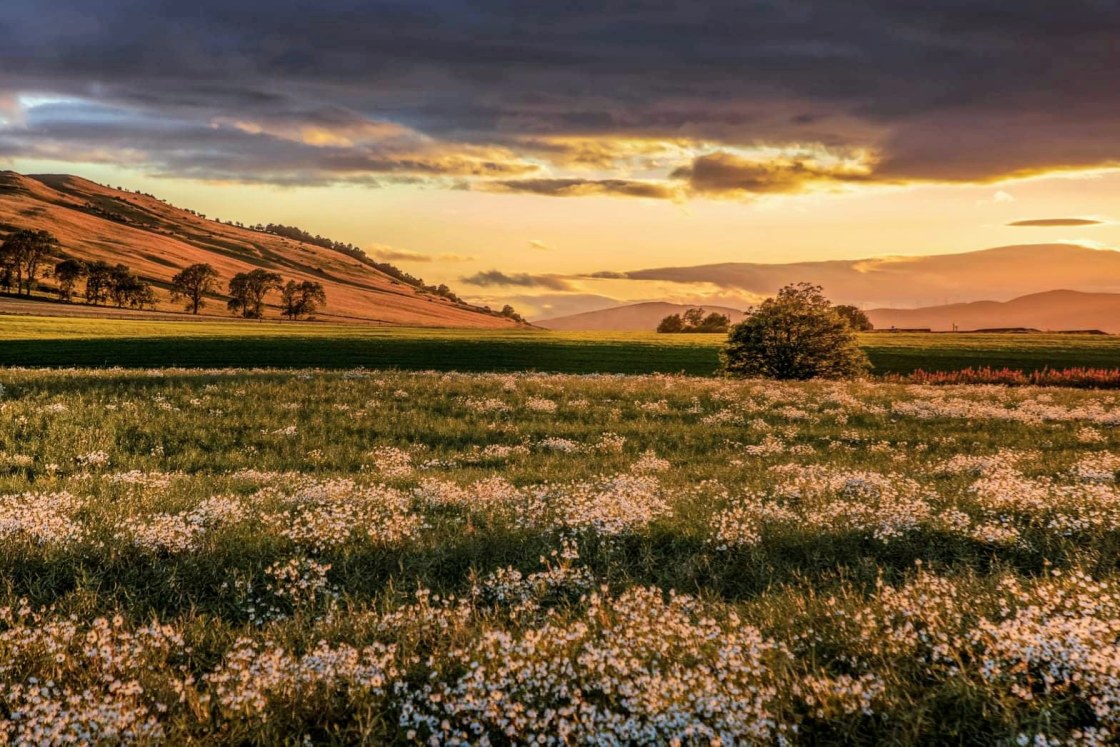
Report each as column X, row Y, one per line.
column 514, row 149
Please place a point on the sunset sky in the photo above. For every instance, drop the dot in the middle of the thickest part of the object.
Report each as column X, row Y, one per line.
column 511, row 149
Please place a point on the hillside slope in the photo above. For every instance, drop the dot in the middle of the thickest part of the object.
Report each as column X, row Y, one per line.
column 1051, row 311
column 638, row 317
column 94, row 222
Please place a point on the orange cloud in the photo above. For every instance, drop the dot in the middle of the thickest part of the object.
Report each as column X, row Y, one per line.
column 573, row 187
column 389, row 254
column 1055, row 222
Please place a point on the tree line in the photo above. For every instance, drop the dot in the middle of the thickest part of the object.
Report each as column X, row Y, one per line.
column 298, row 234
column 248, row 292
column 26, row 255
column 694, row 320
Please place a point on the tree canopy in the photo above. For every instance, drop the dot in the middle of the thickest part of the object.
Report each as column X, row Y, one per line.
column 192, row 284
column 855, row 318
column 798, row 334
column 247, row 291
column 694, row 320
column 302, row 299
column 67, row 273
column 21, row 254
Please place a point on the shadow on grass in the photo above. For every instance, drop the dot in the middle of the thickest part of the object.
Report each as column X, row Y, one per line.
column 207, row 581
column 121, row 382
column 478, row 355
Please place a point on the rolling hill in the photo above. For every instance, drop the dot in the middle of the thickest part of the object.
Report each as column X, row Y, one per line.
column 998, row 274
column 1057, row 310
column 638, row 317
column 1050, row 311
column 95, row 222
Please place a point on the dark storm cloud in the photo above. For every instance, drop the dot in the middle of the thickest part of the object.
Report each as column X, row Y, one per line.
column 970, row 90
column 356, row 150
column 521, row 280
column 1055, row 222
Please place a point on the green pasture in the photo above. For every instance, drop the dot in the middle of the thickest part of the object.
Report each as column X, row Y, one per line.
column 130, row 343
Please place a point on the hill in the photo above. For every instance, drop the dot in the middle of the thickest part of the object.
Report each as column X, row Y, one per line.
column 638, row 317
column 1050, row 311
column 1058, row 310
column 95, row 222
column 998, row 274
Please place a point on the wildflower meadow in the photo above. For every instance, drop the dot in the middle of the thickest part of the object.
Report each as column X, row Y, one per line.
column 310, row 557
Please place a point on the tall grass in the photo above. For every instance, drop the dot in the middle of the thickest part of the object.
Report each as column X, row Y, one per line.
column 232, row 557
column 1080, row 378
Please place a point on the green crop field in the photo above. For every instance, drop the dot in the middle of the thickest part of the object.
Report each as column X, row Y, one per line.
column 364, row 557
column 54, row 341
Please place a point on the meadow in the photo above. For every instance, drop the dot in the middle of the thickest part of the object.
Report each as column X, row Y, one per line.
column 313, row 556
column 142, row 343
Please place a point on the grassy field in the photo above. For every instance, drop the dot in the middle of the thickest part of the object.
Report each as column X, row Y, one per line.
column 223, row 557
column 53, row 341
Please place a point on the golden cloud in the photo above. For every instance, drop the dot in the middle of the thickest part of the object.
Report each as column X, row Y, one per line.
column 727, row 173
column 1055, row 222
column 574, row 187
column 389, row 254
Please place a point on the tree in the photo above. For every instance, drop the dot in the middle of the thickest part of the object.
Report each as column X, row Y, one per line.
column 67, row 273
column 671, row 324
column 855, row 318
column 511, row 313
column 694, row 320
column 192, row 284
column 140, row 294
column 20, row 256
column 714, row 323
column 120, row 284
column 247, row 291
column 126, row 288
column 11, row 263
column 693, row 317
column 289, row 300
column 99, row 282
column 301, row 299
column 796, row 335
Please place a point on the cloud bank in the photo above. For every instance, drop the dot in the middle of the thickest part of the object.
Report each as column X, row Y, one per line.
column 645, row 99
column 492, row 278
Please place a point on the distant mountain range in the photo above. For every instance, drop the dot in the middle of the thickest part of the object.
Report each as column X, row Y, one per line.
column 1052, row 311
column 1049, row 311
column 997, row 274
column 156, row 240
